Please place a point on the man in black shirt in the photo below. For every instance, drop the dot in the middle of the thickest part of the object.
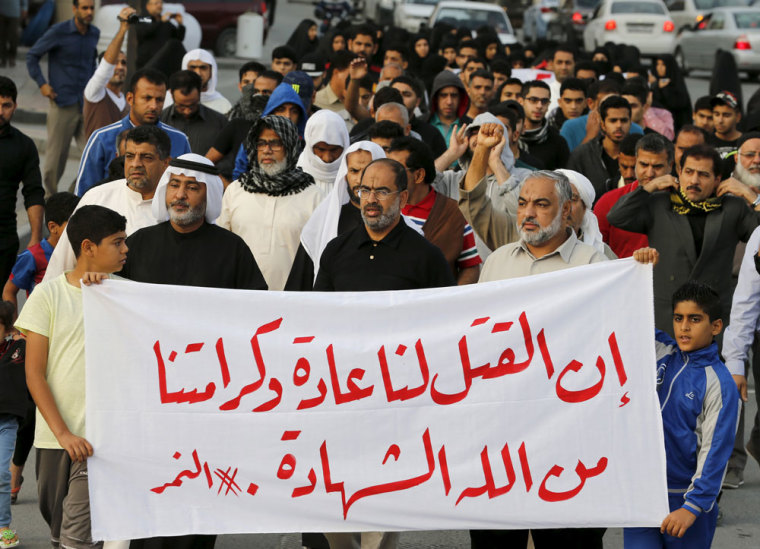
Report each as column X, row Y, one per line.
column 18, row 162
column 384, row 253
column 198, row 122
column 598, row 159
column 542, row 139
column 337, row 214
column 188, row 249
column 726, row 115
column 159, row 41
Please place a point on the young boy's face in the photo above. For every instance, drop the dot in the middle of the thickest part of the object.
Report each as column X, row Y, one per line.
column 110, row 255
column 692, row 326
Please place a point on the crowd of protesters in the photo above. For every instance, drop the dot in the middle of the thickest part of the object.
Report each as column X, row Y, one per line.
column 374, row 159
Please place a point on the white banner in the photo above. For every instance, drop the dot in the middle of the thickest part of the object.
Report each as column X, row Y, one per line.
column 523, row 403
column 528, row 75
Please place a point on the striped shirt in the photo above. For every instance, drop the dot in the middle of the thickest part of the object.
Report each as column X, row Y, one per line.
column 418, row 213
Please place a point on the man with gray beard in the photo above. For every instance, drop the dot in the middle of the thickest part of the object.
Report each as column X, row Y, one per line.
column 545, row 243
column 186, row 248
column 383, row 253
column 744, row 183
column 745, row 179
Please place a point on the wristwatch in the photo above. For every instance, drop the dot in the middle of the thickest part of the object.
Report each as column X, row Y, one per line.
column 756, row 203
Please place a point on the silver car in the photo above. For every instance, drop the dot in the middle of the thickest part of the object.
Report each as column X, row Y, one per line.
column 538, row 18
column 736, row 30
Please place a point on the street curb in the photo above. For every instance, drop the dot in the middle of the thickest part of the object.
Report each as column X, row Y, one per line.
column 24, row 116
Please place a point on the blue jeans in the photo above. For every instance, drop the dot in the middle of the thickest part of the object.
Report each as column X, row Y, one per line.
column 8, row 429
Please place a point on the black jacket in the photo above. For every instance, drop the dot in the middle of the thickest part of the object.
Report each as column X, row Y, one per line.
column 587, row 159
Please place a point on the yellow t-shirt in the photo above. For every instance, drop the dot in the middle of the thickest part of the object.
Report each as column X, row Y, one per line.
column 54, row 310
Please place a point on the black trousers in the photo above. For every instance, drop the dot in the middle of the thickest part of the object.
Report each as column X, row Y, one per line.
column 552, row 538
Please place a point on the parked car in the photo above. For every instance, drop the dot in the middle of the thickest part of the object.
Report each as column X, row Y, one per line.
column 472, row 16
column 731, row 29
column 645, row 24
column 575, row 14
column 539, row 19
column 687, row 13
column 218, row 20
column 412, row 14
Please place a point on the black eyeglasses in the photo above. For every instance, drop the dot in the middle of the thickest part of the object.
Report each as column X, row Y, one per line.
column 274, row 144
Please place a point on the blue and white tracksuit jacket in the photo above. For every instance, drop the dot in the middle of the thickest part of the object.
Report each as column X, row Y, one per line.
column 700, row 410
column 101, row 149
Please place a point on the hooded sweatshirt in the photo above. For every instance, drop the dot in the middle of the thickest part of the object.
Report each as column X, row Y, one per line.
column 445, row 79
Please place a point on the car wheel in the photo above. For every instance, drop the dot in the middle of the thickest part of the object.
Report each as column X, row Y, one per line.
column 681, row 61
column 226, row 43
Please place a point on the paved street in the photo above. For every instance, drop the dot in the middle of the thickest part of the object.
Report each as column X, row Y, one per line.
column 740, row 527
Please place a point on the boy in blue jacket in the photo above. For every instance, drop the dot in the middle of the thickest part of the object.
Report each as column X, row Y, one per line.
column 700, row 409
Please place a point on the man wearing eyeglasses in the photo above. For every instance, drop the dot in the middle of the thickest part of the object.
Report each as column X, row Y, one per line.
column 271, row 202
column 383, row 253
column 744, row 183
column 542, row 139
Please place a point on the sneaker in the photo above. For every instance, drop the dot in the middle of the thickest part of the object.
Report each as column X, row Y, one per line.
column 734, row 478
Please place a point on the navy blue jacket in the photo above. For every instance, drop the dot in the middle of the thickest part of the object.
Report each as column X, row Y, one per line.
column 700, row 410
column 71, row 61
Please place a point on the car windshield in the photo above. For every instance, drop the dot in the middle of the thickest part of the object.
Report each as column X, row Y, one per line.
column 747, row 20
column 473, row 19
column 426, row 2
column 637, row 7
column 589, row 4
column 709, row 4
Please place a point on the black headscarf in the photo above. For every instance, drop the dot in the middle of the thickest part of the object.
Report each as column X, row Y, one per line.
column 250, row 106
column 415, row 61
column 299, row 39
column 292, row 179
column 725, row 76
column 674, row 96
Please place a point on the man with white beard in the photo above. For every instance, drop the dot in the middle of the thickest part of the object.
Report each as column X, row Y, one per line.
column 745, row 179
column 272, row 201
column 545, row 241
column 745, row 183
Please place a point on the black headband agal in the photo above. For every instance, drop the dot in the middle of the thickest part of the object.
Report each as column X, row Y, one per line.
column 190, row 165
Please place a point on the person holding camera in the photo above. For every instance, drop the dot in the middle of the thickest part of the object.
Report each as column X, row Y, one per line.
column 159, row 38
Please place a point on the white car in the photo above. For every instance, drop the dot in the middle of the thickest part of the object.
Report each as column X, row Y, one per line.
column 472, row 16
column 736, row 30
column 645, row 24
column 412, row 14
